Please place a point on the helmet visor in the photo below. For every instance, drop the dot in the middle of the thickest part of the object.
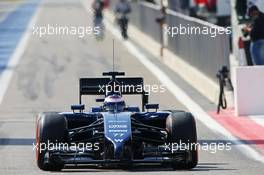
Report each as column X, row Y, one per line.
column 114, row 106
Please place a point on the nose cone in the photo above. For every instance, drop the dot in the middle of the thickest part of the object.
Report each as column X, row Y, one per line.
column 117, row 129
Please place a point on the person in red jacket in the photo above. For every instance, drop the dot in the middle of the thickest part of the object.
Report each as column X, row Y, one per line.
column 201, row 2
column 106, row 3
column 202, row 10
column 210, row 4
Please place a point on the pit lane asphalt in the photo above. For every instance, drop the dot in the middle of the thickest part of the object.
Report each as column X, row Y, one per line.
column 47, row 80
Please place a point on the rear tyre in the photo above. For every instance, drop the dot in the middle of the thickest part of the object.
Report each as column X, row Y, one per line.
column 51, row 128
column 182, row 129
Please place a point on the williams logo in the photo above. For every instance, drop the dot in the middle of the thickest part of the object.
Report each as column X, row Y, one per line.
column 118, row 140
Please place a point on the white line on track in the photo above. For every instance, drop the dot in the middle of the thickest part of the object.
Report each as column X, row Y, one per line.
column 6, row 75
column 259, row 119
column 181, row 96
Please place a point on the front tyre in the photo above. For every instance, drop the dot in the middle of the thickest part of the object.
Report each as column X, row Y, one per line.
column 181, row 128
column 50, row 128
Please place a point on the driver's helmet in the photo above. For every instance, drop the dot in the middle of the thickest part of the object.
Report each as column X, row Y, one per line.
column 114, row 102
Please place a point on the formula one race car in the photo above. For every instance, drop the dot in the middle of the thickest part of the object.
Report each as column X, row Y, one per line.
column 115, row 134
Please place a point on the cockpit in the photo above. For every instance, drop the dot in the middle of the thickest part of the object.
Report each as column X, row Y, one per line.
column 114, row 103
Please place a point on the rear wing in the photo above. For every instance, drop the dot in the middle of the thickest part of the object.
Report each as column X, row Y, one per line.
column 127, row 86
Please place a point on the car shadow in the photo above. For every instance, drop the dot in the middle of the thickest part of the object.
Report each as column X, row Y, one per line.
column 199, row 167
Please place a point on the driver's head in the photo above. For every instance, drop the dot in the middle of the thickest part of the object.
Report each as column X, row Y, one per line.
column 114, row 102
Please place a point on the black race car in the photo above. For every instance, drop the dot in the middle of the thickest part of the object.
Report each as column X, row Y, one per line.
column 115, row 134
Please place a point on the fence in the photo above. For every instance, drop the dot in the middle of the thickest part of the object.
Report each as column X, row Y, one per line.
column 203, row 51
column 206, row 53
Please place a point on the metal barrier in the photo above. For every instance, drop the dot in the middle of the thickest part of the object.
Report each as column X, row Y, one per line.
column 207, row 54
column 148, row 14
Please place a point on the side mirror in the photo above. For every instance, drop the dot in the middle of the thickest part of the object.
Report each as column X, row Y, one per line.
column 152, row 106
column 100, row 100
column 77, row 107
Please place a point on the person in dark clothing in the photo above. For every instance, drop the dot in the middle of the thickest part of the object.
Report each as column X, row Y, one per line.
column 122, row 9
column 256, row 31
column 98, row 7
